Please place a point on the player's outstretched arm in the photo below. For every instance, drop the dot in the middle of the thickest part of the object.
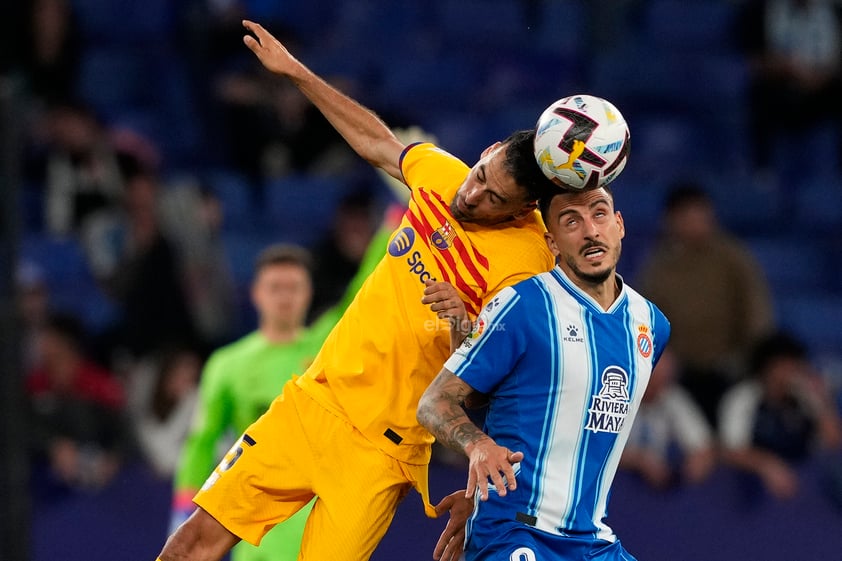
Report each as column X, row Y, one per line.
column 364, row 131
column 440, row 411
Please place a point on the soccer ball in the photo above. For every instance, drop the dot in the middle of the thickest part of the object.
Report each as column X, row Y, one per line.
column 581, row 142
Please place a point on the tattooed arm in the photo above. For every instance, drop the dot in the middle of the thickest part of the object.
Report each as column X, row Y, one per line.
column 440, row 411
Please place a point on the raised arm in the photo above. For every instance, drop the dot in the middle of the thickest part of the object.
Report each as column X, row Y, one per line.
column 364, row 131
column 440, row 411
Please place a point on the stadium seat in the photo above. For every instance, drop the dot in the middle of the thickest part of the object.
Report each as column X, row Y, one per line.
column 640, row 200
column 746, row 206
column 818, row 205
column 562, row 28
column 815, row 318
column 663, row 145
column 61, row 258
column 461, row 133
column 127, row 22
column 689, row 25
column 236, row 194
column 112, row 80
column 434, row 81
column 811, row 155
column 71, row 286
column 242, row 249
column 299, row 208
column 497, row 23
column 794, row 265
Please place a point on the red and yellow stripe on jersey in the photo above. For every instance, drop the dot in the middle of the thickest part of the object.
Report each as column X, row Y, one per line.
column 388, row 346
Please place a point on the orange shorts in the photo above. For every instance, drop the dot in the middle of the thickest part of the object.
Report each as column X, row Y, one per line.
column 298, row 450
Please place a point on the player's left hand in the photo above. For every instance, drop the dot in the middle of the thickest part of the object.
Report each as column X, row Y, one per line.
column 489, row 461
column 452, row 540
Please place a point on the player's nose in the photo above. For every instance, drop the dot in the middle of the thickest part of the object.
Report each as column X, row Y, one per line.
column 472, row 195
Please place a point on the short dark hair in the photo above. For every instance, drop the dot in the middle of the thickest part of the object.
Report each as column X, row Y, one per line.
column 772, row 347
column 283, row 254
column 521, row 163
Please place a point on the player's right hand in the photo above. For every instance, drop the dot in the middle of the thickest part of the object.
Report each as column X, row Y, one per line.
column 274, row 56
column 490, row 462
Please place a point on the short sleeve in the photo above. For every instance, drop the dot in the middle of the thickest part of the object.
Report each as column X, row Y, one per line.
column 495, row 345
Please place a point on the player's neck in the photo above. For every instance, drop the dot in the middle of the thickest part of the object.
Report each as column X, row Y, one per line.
column 280, row 334
column 605, row 293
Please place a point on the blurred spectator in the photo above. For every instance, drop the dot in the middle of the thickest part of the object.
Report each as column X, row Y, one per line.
column 272, row 130
column 33, row 306
column 74, row 161
column 269, row 129
column 138, row 266
column 192, row 216
column 78, row 428
column 51, row 50
column 162, row 399
column 671, row 441
column 794, row 50
column 780, row 417
column 338, row 256
column 712, row 289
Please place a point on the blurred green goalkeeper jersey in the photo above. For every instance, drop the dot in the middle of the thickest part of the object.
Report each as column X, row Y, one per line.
column 238, row 383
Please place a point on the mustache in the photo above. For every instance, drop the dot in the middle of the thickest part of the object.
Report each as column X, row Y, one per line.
column 591, row 245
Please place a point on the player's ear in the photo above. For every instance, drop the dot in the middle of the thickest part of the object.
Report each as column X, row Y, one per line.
column 527, row 209
column 621, row 224
column 548, row 237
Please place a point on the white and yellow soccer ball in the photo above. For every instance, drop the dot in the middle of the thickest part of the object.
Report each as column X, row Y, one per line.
column 582, row 142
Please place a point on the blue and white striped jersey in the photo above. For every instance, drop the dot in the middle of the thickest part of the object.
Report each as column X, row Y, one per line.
column 565, row 378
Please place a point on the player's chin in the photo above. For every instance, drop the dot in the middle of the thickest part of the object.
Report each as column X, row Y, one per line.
column 596, row 272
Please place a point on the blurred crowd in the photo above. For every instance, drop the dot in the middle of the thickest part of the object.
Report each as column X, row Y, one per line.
column 158, row 160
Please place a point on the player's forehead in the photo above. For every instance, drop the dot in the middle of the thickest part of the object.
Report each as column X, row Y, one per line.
column 282, row 270
column 497, row 176
column 569, row 200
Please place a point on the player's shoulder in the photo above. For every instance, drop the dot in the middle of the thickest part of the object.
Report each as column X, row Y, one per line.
column 234, row 349
column 523, row 293
column 641, row 305
column 418, row 150
column 634, row 296
column 429, row 165
column 535, row 285
column 519, row 247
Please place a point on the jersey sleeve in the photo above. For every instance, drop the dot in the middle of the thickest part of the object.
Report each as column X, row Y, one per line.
column 426, row 165
column 212, row 418
column 494, row 346
column 661, row 333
